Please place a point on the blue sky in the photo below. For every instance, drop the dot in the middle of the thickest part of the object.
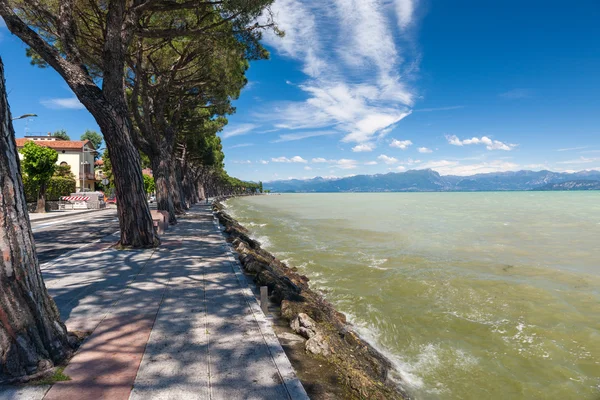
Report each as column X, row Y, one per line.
column 367, row 86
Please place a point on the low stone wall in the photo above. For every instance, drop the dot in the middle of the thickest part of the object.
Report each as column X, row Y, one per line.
column 361, row 368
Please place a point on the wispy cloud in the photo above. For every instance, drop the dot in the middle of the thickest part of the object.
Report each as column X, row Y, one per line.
column 364, row 147
column 439, row 109
column 357, row 77
column 263, row 162
column 69, row 103
column 288, row 137
column 241, row 145
column 295, row 159
column 580, row 160
column 424, row 150
column 573, row 148
column 401, row 144
column 517, row 94
column 238, row 130
column 371, row 163
column 242, row 162
column 489, row 143
column 452, row 167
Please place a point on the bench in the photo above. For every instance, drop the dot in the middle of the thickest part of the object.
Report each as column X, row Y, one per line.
column 160, row 220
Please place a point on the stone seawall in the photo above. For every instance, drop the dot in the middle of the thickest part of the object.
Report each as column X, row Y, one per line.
column 365, row 372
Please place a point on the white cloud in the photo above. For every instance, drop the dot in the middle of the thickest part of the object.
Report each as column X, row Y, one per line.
column 237, row 130
column 288, row 137
column 346, row 164
column 401, row 144
column 263, row 162
column 363, row 147
column 319, row 160
column 295, row 159
column 70, row 103
column 452, row 167
column 517, row 94
column 387, row 160
column 400, row 168
column 405, row 10
column 371, row 163
column 357, row 75
column 307, row 168
column 424, row 150
column 580, row 160
column 573, row 148
column 241, row 145
column 489, row 143
column 242, row 162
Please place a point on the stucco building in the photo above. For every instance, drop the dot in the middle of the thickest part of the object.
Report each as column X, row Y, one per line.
column 78, row 154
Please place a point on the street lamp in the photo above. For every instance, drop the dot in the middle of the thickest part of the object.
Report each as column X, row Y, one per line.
column 25, row 116
column 27, row 121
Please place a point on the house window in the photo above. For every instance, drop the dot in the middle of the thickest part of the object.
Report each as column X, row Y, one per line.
column 64, row 163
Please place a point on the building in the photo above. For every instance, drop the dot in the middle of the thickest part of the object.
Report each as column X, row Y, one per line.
column 78, row 154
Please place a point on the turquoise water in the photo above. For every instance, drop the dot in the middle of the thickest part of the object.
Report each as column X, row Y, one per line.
column 472, row 295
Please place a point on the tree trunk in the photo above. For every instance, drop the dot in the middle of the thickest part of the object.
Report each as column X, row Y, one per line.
column 164, row 200
column 32, row 338
column 134, row 213
column 174, row 187
column 41, row 201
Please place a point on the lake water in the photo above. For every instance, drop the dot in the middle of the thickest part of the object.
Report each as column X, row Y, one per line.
column 472, row 295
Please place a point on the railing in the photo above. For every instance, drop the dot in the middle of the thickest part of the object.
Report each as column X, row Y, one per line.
column 88, row 176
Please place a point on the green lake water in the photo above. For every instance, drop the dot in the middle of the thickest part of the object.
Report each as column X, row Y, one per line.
column 471, row 295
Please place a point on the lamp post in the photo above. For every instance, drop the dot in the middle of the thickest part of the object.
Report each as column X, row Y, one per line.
column 27, row 121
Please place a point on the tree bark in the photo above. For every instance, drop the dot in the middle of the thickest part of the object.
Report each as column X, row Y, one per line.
column 41, row 201
column 32, row 337
column 109, row 109
column 160, row 171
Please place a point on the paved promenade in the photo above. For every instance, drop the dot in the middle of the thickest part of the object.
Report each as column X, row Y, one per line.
column 178, row 322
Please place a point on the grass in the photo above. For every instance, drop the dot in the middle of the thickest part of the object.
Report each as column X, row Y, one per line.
column 57, row 376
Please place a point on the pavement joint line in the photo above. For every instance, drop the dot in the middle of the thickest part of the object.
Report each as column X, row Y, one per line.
column 292, row 384
column 207, row 332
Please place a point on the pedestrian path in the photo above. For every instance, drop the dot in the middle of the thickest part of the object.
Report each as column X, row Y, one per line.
column 177, row 322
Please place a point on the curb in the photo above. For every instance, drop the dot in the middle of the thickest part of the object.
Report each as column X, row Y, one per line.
column 65, row 214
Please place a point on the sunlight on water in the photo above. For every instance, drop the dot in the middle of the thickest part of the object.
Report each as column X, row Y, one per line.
column 472, row 295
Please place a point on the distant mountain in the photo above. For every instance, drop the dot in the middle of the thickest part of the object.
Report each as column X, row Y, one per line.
column 572, row 185
column 427, row 180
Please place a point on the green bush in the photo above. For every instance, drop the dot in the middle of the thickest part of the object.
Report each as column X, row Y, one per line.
column 57, row 187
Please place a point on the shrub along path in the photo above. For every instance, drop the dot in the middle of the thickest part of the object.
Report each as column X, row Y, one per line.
column 173, row 323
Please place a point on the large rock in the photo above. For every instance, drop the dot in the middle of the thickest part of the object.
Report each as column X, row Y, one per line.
column 304, row 325
column 318, row 345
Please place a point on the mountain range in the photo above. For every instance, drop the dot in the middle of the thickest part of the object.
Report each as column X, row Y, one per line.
column 427, row 180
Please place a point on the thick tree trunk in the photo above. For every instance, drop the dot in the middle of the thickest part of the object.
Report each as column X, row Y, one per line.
column 41, row 201
column 134, row 213
column 164, row 200
column 174, row 187
column 32, row 338
column 109, row 109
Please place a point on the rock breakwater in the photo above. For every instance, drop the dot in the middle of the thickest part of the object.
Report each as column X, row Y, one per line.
column 360, row 368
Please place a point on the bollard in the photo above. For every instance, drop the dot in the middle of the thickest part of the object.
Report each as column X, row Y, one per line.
column 264, row 299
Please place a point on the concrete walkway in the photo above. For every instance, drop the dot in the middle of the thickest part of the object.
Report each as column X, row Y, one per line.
column 178, row 322
column 36, row 217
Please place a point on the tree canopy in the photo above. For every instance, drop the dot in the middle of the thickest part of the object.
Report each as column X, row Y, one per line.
column 62, row 134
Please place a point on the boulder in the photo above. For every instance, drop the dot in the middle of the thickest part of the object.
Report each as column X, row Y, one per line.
column 318, row 345
column 304, row 325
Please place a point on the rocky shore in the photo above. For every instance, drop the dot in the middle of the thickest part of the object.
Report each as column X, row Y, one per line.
column 361, row 370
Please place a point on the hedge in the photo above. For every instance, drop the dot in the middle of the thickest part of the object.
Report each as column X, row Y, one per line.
column 57, row 187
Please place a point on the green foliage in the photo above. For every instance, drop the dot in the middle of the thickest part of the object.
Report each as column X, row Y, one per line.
column 57, row 187
column 62, row 134
column 39, row 162
column 149, row 184
column 64, row 171
column 107, row 171
column 96, row 140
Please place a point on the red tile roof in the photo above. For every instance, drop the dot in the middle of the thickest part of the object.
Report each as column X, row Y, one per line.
column 58, row 144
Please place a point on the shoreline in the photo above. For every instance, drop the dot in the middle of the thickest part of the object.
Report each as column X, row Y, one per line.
column 324, row 333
